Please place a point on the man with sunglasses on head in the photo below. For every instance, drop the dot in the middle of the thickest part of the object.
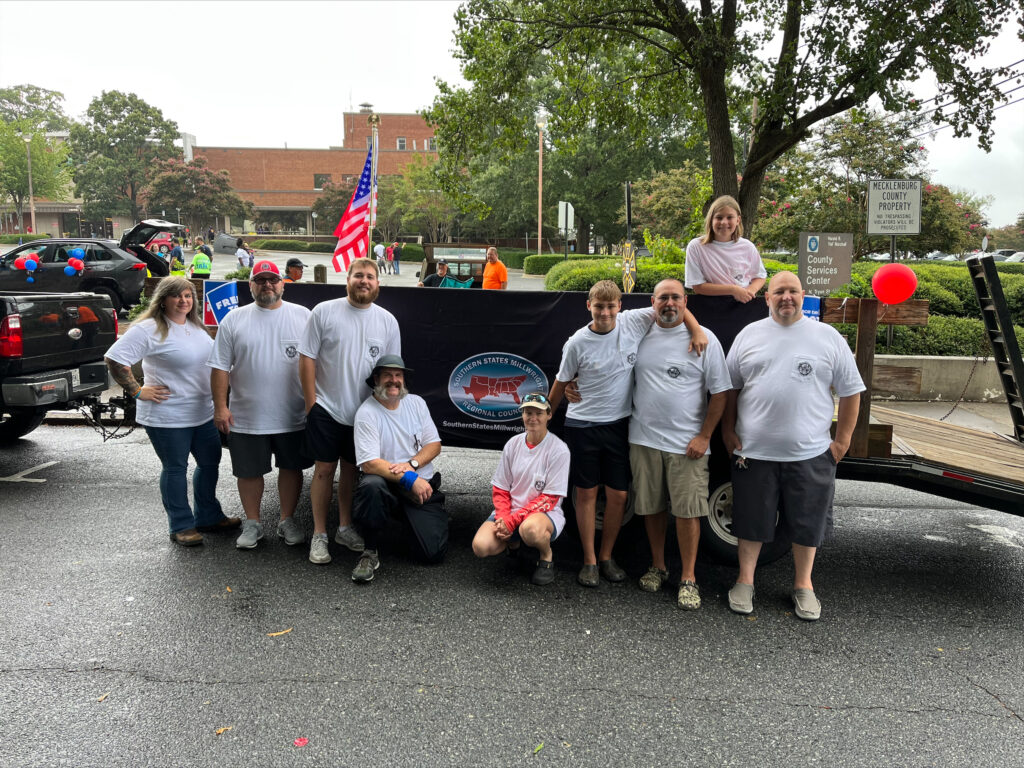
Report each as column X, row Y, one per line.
column 528, row 486
column 344, row 340
column 256, row 352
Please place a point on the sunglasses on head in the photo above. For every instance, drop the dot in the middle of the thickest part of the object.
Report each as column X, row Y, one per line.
column 536, row 397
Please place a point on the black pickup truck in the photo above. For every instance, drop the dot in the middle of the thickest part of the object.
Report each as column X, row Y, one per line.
column 51, row 355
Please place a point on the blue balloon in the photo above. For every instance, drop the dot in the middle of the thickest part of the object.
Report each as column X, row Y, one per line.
column 31, row 265
column 78, row 253
column 30, row 279
column 70, row 271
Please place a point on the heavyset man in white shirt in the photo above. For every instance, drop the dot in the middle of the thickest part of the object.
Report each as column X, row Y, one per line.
column 776, row 425
column 344, row 340
column 669, row 434
column 396, row 444
column 256, row 355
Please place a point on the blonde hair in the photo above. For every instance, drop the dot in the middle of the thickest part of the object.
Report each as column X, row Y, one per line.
column 605, row 290
column 725, row 201
column 170, row 286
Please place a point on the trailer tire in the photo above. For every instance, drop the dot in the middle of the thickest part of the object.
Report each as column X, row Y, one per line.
column 716, row 538
column 18, row 422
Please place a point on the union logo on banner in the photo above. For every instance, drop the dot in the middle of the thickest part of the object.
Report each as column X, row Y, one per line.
column 219, row 298
column 491, row 386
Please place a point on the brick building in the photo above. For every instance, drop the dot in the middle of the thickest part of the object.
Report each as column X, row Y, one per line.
column 282, row 184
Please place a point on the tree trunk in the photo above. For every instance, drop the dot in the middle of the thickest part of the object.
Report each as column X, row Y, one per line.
column 716, row 108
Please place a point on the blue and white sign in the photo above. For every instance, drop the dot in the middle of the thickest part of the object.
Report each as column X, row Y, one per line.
column 221, row 296
column 812, row 308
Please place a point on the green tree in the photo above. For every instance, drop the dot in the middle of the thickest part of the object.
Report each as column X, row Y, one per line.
column 114, row 151
column 331, row 204
column 671, row 203
column 705, row 62
column 36, row 108
column 201, row 194
column 50, row 175
column 426, row 208
column 1010, row 236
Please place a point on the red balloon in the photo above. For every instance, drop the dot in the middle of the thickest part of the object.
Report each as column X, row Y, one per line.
column 19, row 263
column 894, row 283
column 76, row 263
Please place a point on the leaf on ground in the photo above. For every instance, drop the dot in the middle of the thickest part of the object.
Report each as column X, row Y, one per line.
column 751, row 618
column 225, row 729
column 102, row 698
column 278, row 634
column 538, row 748
column 228, row 588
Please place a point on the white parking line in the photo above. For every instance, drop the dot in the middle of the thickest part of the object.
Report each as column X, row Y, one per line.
column 20, row 477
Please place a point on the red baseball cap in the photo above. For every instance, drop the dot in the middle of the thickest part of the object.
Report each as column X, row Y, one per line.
column 264, row 268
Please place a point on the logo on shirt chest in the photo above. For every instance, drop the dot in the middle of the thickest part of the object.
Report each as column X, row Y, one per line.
column 291, row 351
column 673, row 372
column 374, row 350
column 804, row 368
column 631, row 358
column 538, row 485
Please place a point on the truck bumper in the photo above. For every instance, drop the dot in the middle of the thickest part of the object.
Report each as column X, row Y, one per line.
column 56, row 387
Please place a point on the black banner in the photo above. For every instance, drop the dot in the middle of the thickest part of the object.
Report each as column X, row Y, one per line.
column 476, row 353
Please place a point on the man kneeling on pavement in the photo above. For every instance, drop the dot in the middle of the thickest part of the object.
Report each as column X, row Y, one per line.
column 396, row 441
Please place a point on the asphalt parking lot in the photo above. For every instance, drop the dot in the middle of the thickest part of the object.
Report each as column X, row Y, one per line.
column 121, row 649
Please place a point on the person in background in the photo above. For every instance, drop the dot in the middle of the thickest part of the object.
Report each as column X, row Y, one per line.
column 495, row 274
column 242, row 254
column 175, row 405
column 396, row 252
column 201, row 261
column 293, row 270
column 722, row 262
column 435, row 280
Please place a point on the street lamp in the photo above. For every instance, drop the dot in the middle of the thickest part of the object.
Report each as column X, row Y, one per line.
column 31, row 197
column 313, row 215
column 542, row 123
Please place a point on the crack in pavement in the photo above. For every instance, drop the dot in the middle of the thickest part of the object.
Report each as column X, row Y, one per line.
column 506, row 691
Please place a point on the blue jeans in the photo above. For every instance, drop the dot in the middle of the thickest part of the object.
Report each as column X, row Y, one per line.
column 172, row 446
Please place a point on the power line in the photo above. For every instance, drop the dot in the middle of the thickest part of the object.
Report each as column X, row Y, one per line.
column 1012, row 77
column 943, row 127
column 1015, row 76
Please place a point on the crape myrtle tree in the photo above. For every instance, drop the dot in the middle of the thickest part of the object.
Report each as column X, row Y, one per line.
column 200, row 193
column 803, row 60
column 114, row 150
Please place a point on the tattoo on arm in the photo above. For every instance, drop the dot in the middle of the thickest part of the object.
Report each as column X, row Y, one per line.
column 122, row 374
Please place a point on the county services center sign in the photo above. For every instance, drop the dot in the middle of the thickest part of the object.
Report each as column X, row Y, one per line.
column 894, row 207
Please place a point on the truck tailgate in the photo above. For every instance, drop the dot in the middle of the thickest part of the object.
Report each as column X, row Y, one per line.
column 60, row 330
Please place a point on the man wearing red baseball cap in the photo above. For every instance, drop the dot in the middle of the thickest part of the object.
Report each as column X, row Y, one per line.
column 257, row 352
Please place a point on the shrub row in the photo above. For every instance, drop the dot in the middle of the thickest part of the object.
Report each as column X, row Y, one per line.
column 539, row 265
column 15, row 239
column 942, row 337
column 298, row 246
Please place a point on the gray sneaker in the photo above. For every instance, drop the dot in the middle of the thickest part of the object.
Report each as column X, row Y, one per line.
column 290, row 531
column 252, row 532
column 349, row 537
column 368, row 563
column 741, row 598
column 318, row 552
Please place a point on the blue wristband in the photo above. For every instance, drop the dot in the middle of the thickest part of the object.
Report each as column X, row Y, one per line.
column 407, row 481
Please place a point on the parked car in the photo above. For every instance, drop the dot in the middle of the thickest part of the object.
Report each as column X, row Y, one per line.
column 1015, row 258
column 116, row 269
column 159, row 241
column 1004, row 252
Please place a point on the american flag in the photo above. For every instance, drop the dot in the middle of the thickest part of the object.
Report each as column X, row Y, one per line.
column 353, row 231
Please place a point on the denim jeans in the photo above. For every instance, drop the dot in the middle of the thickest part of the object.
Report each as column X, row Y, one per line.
column 172, row 446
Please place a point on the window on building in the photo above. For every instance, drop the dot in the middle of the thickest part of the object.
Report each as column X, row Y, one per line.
column 414, row 145
column 431, row 145
column 320, row 180
column 401, row 142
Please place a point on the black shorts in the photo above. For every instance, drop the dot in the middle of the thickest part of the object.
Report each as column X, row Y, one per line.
column 600, row 455
column 250, row 454
column 326, row 439
column 798, row 493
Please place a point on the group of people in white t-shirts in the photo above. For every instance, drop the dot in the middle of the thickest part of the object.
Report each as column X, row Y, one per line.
column 646, row 388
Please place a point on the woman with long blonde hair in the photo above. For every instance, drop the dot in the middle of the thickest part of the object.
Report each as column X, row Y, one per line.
column 722, row 262
column 175, row 405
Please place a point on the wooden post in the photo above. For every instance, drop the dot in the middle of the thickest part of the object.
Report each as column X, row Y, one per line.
column 867, row 326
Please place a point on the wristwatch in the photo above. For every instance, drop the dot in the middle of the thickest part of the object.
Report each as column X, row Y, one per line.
column 414, row 464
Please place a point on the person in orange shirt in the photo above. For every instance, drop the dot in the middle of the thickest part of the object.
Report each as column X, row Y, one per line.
column 495, row 274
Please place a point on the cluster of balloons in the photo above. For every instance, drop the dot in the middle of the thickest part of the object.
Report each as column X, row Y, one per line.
column 30, row 263
column 894, row 283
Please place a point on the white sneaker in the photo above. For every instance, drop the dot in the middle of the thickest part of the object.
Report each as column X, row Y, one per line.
column 252, row 532
column 290, row 531
column 349, row 537
column 318, row 552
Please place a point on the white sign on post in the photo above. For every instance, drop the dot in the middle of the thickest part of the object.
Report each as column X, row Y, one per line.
column 894, row 207
column 566, row 216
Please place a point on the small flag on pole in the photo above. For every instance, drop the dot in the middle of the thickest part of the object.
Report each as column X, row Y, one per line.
column 352, row 231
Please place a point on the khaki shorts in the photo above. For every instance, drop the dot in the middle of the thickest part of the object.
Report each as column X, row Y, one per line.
column 659, row 476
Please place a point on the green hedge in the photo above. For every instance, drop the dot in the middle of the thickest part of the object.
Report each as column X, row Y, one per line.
column 942, row 337
column 298, row 246
column 540, row 265
column 13, row 239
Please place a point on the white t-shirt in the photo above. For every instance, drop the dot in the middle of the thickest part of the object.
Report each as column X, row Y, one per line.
column 604, row 363
column 397, row 435
column 528, row 472
column 725, row 263
column 785, row 375
column 179, row 363
column 244, row 257
column 671, row 388
column 260, row 349
column 378, row 251
column 346, row 343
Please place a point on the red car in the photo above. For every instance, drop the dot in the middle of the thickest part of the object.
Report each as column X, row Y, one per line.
column 159, row 239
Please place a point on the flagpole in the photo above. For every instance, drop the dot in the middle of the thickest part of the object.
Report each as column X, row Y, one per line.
column 371, row 222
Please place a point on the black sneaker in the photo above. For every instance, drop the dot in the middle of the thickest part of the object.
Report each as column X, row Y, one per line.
column 544, row 573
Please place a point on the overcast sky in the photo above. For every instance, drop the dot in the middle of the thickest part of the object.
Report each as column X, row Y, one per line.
column 266, row 74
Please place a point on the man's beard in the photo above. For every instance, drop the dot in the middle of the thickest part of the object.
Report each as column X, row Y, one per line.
column 267, row 299
column 668, row 316
column 381, row 392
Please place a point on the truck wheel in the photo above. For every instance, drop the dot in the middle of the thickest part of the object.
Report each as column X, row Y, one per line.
column 19, row 422
column 115, row 300
column 716, row 537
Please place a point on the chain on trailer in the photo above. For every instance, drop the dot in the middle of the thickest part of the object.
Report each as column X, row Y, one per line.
column 963, row 393
column 94, row 417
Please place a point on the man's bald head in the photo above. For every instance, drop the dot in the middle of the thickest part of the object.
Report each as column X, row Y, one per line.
column 785, row 297
column 669, row 302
